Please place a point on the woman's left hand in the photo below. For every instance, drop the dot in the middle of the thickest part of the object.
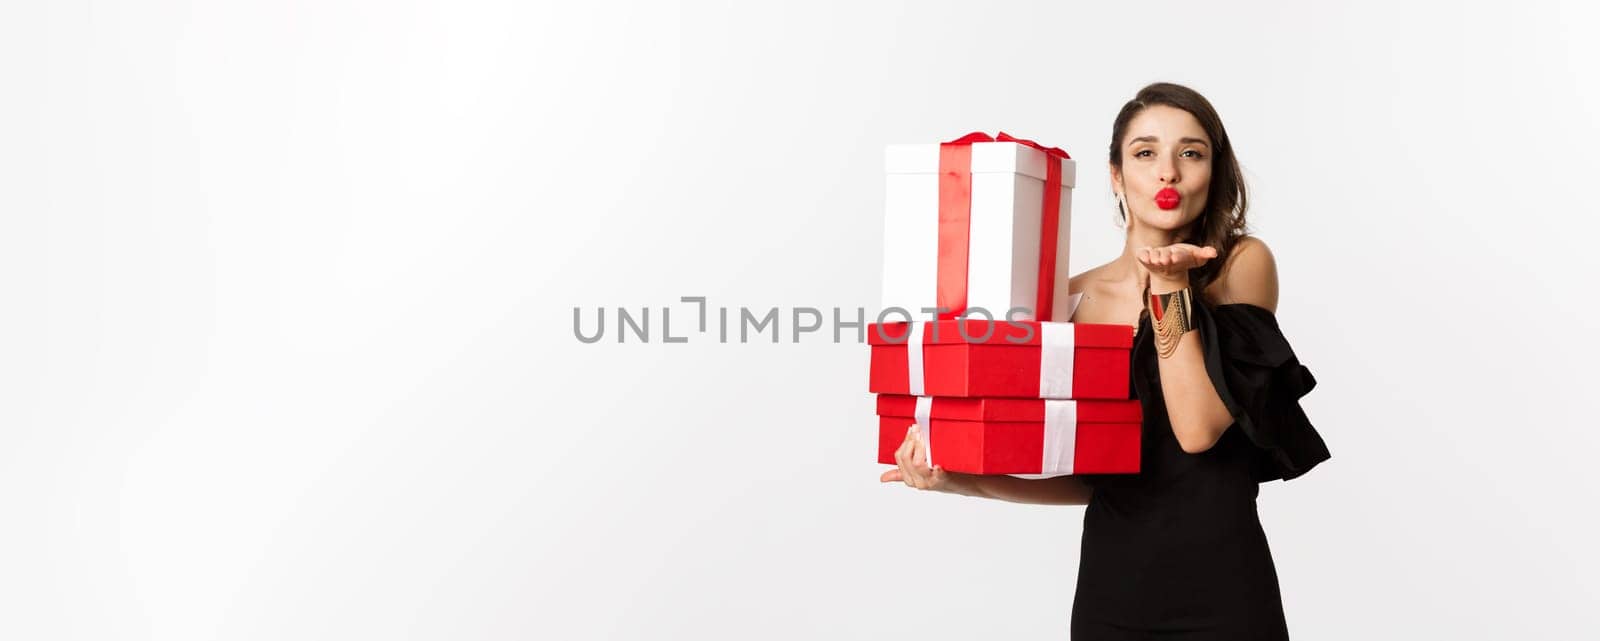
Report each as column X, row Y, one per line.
column 1174, row 261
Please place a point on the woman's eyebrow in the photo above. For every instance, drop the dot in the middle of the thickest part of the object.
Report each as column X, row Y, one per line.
column 1181, row 141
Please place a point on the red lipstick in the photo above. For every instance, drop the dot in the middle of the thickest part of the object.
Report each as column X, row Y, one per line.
column 1168, row 198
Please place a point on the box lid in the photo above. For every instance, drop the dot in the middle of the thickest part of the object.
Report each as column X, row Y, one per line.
column 1001, row 333
column 987, row 158
column 1010, row 409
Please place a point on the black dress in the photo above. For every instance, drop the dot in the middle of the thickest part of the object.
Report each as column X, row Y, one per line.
column 1177, row 551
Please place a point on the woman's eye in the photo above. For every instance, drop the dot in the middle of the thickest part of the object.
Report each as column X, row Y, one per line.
column 1192, row 153
column 1141, row 153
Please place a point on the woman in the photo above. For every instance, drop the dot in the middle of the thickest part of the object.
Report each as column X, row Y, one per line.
column 1177, row 550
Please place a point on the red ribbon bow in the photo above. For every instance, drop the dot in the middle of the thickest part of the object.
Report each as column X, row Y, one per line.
column 978, row 136
column 955, row 222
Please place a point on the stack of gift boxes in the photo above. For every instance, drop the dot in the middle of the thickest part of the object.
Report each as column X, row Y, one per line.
column 976, row 242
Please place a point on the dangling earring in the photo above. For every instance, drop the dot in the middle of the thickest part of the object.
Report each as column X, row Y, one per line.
column 1122, row 210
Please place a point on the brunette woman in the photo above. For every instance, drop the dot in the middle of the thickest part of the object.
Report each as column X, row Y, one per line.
column 1177, row 551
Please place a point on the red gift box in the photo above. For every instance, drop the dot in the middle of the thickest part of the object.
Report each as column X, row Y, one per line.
column 1015, row 436
column 1011, row 359
column 978, row 222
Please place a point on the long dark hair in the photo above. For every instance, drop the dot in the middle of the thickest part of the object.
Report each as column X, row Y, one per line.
column 1222, row 223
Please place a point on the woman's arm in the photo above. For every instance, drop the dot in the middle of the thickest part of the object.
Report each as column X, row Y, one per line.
column 1057, row 490
column 911, row 468
column 1196, row 412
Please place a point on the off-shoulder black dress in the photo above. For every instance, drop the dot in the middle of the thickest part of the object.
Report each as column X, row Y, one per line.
column 1177, row 551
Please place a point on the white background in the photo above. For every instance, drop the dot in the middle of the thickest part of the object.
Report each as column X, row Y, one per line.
column 286, row 294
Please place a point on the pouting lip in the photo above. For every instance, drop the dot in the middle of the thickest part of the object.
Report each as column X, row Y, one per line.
column 1168, row 198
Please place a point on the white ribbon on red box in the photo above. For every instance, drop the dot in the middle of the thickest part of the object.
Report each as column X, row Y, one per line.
column 924, row 425
column 914, row 359
column 1060, row 445
column 1060, row 437
column 1057, row 345
column 1060, row 440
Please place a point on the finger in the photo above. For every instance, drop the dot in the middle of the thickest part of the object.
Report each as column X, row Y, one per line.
column 891, row 476
column 903, row 453
column 908, row 465
column 919, row 461
column 1181, row 257
column 922, row 467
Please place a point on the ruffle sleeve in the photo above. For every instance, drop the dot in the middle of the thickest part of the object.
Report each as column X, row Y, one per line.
column 1259, row 379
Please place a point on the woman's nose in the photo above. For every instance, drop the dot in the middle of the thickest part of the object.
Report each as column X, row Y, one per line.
column 1168, row 173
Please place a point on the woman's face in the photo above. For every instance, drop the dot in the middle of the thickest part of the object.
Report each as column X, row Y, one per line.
column 1164, row 148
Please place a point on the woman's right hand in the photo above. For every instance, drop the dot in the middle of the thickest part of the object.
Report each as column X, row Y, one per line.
column 913, row 469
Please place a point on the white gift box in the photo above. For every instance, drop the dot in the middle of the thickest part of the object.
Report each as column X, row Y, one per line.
column 965, row 226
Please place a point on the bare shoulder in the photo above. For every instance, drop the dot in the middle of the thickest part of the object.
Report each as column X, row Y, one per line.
column 1080, row 282
column 1250, row 255
column 1250, row 276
